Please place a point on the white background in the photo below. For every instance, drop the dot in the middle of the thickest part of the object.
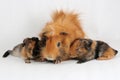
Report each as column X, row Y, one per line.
column 25, row 18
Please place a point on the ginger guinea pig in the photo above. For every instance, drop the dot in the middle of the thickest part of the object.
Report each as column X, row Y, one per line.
column 60, row 32
column 55, row 48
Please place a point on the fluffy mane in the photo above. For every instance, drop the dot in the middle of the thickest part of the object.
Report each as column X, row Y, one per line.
column 64, row 18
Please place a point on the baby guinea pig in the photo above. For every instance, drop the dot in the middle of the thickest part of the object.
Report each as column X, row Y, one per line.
column 29, row 49
column 86, row 49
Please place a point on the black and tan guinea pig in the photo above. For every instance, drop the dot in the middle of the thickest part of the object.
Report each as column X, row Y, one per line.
column 87, row 49
column 28, row 50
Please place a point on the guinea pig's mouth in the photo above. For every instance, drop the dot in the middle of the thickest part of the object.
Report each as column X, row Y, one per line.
column 50, row 59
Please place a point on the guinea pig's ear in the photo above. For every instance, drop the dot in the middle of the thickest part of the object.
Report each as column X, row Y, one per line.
column 88, row 44
column 64, row 33
column 44, row 36
column 35, row 39
column 25, row 41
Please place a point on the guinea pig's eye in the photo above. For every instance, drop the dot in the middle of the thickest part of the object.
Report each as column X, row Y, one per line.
column 58, row 44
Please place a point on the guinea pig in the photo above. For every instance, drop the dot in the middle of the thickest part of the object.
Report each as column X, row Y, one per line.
column 29, row 49
column 58, row 49
column 86, row 49
column 60, row 32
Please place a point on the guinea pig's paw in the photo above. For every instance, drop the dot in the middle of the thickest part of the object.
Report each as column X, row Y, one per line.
column 27, row 61
column 58, row 60
column 40, row 59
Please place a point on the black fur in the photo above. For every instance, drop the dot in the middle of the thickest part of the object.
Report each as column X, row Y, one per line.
column 35, row 39
column 43, row 41
column 82, row 60
column 6, row 53
column 38, row 45
column 115, row 51
column 100, row 48
column 36, row 49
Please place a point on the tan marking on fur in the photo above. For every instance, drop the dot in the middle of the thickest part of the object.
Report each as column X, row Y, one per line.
column 30, row 46
column 108, row 54
column 24, row 53
column 43, row 54
column 93, row 46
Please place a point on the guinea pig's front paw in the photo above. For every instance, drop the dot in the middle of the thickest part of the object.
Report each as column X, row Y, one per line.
column 58, row 60
column 27, row 61
column 40, row 59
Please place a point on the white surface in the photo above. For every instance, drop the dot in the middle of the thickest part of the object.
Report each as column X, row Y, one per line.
column 25, row 18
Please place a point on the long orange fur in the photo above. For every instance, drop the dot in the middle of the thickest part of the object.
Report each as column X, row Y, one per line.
column 66, row 22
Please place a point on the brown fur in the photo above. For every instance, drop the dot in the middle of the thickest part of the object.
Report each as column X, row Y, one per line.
column 86, row 49
column 108, row 54
column 64, row 28
column 27, row 50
